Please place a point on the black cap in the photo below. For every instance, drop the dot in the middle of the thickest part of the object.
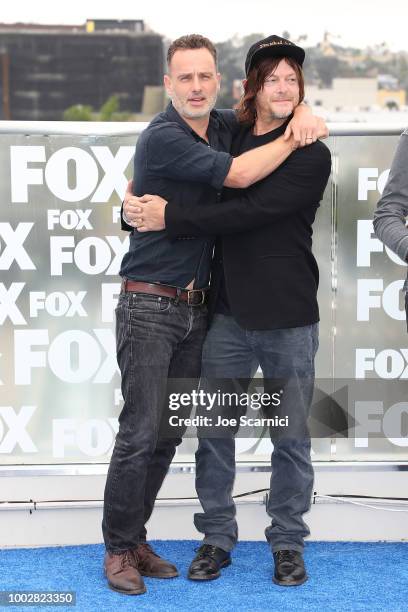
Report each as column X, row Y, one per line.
column 273, row 46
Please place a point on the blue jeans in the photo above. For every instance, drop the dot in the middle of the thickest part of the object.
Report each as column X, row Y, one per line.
column 159, row 345
column 231, row 352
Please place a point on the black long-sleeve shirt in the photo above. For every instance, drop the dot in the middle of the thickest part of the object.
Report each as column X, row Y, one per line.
column 271, row 275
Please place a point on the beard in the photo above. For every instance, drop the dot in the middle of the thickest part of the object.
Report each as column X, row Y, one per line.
column 281, row 115
column 181, row 105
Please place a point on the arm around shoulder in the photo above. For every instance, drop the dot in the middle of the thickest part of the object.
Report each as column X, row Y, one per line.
column 297, row 184
column 172, row 152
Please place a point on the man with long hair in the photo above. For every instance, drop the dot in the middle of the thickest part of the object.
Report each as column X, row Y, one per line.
column 264, row 306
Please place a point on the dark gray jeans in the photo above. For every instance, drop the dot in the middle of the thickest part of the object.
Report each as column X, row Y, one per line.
column 231, row 352
column 159, row 345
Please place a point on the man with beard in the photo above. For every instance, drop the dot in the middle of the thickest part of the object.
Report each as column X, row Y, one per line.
column 264, row 304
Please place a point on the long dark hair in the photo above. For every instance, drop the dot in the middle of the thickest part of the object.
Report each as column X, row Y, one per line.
column 246, row 110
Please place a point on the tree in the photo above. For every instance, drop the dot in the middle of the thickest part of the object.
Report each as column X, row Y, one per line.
column 326, row 68
column 231, row 54
column 109, row 111
column 78, row 112
column 109, row 108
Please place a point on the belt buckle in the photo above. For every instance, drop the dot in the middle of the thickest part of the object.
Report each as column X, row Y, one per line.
column 192, row 291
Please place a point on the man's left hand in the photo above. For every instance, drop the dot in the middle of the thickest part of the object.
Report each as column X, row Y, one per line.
column 149, row 213
column 305, row 127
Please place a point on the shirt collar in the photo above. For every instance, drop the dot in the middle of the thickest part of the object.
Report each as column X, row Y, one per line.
column 175, row 116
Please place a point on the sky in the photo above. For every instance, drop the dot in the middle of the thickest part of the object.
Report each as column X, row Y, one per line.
column 358, row 23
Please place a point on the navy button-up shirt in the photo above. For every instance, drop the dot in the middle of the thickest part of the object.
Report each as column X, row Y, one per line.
column 174, row 162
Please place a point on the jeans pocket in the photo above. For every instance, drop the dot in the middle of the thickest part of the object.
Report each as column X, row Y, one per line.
column 141, row 303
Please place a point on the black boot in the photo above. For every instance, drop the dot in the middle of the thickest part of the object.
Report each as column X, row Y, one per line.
column 207, row 563
column 289, row 568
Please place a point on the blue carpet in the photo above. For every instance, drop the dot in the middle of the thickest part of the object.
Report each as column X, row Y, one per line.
column 343, row 576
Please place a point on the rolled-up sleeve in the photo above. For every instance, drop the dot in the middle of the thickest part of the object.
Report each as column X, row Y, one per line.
column 392, row 208
column 170, row 152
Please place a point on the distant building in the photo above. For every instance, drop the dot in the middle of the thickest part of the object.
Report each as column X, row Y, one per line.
column 388, row 81
column 46, row 69
column 354, row 95
column 391, row 98
column 344, row 93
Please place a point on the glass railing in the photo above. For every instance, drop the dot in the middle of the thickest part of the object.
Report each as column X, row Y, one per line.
column 60, row 250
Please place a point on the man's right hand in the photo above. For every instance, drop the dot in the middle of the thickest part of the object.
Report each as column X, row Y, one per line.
column 145, row 213
column 304, row 129
column 149, row 213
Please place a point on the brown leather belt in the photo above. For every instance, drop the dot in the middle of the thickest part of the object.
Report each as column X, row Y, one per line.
column 193, row 297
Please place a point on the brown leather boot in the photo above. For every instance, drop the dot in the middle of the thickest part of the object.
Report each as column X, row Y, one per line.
column 122, row 573
column 150, row 564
